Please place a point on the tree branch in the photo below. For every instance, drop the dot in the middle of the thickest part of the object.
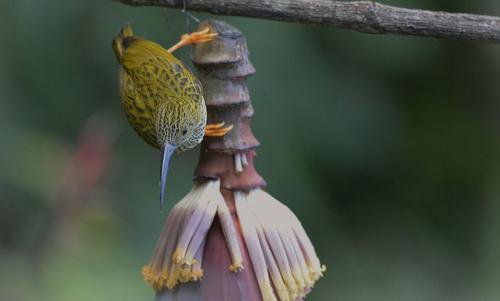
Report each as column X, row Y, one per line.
column 363, row 16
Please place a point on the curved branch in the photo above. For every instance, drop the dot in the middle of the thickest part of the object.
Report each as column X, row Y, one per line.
column 363, row 16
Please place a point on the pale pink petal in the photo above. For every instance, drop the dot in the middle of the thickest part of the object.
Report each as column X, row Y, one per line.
column 193, row 219
column 247, row 221
column 230, row 234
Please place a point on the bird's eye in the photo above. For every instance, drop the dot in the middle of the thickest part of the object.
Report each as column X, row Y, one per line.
column 184, row 132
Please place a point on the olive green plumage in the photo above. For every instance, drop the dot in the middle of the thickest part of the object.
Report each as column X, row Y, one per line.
column 162, row 99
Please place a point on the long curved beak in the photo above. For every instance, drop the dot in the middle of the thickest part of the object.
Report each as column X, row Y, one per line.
column 168, row 150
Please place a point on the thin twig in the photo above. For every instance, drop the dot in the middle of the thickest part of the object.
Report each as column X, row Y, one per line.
column 364, row 16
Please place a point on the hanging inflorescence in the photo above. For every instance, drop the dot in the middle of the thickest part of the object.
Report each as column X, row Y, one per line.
column 228, row 238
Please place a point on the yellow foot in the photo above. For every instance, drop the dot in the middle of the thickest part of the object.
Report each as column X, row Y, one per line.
column 201, row 36
column 217, row 130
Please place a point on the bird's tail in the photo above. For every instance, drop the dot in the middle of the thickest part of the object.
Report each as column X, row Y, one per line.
column 168, row 150
column 118, row 41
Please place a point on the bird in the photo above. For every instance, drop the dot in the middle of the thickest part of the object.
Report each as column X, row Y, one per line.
column 162, row 99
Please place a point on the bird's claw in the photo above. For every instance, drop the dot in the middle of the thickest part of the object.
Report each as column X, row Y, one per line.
column 196, row 37
column 201, row 36
column 217, row 130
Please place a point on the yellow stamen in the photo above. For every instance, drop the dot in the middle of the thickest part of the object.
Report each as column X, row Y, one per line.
column 236, row 267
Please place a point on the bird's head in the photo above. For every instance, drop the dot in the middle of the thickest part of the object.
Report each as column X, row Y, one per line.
column 121, row 40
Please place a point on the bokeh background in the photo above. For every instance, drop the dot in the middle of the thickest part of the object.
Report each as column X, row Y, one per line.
column 386, row 147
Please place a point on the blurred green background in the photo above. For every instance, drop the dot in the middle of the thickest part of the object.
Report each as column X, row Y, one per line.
column 386, row 147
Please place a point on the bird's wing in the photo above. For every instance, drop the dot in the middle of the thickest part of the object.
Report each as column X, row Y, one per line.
column 158, row 73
